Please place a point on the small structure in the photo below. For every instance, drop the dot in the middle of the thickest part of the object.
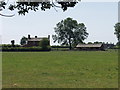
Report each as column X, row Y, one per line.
column 90, row 47
column 35, row 41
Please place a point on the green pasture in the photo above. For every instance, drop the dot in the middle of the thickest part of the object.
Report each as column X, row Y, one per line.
column 60, row 69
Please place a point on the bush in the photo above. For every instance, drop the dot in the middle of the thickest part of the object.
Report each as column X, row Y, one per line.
column 116, row 47
column 45, row 44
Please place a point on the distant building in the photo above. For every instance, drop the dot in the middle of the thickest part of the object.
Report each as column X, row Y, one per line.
column 35, row 41
column 90, row 47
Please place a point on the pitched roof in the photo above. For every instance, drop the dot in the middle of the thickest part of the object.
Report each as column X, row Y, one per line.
column 35, row 39
column 89, row 45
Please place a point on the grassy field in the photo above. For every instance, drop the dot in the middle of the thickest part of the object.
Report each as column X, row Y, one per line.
column 62, row 69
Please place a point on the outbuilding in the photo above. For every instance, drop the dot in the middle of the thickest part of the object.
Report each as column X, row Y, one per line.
column 90, row 47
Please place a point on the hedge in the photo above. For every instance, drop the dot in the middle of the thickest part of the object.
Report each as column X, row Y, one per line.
column 25, row 49
column 60, row 46
column 8, row 45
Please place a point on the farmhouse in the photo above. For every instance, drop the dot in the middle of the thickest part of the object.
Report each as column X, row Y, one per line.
column 35, row 41
column 90, row 47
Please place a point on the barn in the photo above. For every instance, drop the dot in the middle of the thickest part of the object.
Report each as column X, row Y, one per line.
column 90, row 47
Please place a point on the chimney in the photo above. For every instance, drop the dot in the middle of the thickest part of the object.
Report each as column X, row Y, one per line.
column 28, row 36
column 35, row 36
column 48, row 37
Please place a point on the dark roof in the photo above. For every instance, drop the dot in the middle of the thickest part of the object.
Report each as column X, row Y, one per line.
column 89, row 45
column 36, row 39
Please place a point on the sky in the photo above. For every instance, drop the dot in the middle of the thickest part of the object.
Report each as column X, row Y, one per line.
column 98, row 17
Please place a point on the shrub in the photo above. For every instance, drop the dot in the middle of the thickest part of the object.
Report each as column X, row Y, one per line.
column 45, row 44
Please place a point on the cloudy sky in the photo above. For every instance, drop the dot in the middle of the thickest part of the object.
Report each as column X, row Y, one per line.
column 98, row 17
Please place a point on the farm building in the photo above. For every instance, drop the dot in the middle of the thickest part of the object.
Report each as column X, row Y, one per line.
column 90, row 47
column 35, row 41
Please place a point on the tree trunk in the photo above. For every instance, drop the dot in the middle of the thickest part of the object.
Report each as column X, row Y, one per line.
column 70, row 44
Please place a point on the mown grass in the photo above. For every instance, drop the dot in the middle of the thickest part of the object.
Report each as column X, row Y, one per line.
column 62, row 69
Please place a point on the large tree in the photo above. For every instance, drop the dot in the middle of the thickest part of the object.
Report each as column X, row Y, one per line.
column 24, row 6
column 117, row 31
column 70, row 32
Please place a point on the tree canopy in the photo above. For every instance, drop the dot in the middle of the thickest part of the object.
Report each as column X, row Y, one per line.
column 117, row 31
column 45, row 43
column 23, row 40
column 70, row 32
column 24, row 7
column 13, row 43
